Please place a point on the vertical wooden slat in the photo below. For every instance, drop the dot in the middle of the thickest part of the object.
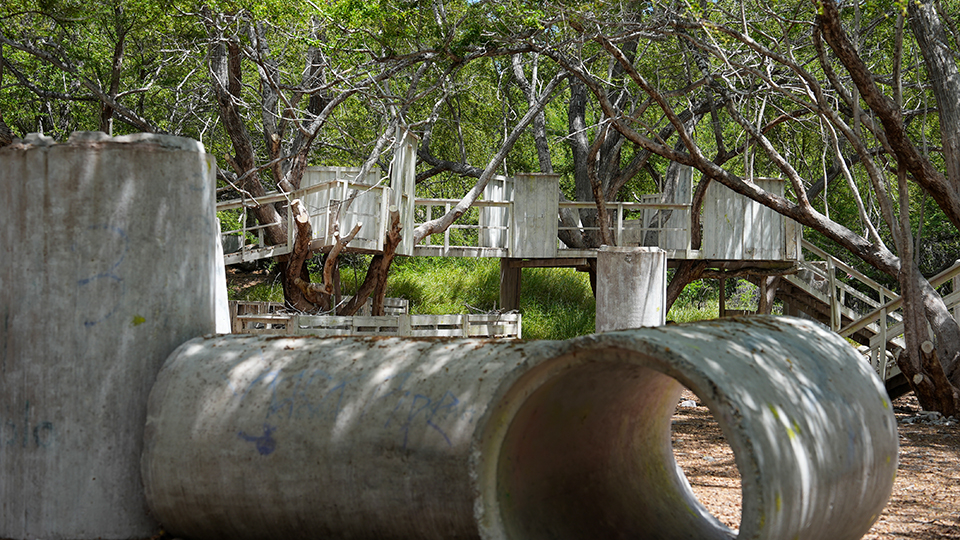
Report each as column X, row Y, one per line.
column 535, row 213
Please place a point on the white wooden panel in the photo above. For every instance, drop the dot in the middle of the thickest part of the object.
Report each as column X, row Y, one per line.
column 737, row 228
column 768, row 239
column 723, row 223
column 677, row 233
column 535, row 216
column 793, row 235
column 494, row 221
column 477, row 325
column 403, row 172
column 675, row 229
column 366, row 206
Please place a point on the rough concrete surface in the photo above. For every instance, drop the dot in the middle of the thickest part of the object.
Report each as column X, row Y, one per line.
column 252, row 437
column 107, row 256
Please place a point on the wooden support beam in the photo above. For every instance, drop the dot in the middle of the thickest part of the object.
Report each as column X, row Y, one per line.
column 509, row 285
column 547, row 263
column 723, row 297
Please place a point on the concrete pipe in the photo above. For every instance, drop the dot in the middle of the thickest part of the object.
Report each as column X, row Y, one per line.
column 107, row 259
column 256, row 438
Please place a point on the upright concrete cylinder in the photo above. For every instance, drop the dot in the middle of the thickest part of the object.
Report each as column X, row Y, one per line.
column 107, row 256
column 631, row 287
column 284, row 438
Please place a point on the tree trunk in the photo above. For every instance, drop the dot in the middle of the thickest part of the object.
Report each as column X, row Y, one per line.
column 376, row 279
column 919, row 361
column 295, row 290
column 390, row 244
column 226, row 77
column 945, row 192
column 944, row 75
column 768, row 293
column 687, row 272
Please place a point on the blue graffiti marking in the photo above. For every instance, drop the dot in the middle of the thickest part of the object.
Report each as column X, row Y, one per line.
column 43, row 434
column 19, row 431
column 265, row 443
column 430, row 410
column 108, row 270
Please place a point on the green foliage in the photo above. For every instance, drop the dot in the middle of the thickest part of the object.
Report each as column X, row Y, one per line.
column 440, row 286
column 261, row 292
column 682, row 312
column 555, row 303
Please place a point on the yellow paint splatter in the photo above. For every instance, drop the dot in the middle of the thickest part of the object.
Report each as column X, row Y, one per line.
column 773, row 409
column 138, row 320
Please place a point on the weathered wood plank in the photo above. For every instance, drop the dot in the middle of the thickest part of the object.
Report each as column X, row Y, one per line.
column 535, row 215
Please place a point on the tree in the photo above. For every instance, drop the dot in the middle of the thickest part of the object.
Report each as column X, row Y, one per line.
column 284, row 84
column 783, row 76
column 832, row 98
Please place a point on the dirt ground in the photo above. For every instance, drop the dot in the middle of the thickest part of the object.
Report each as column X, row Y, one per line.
column 924, row 505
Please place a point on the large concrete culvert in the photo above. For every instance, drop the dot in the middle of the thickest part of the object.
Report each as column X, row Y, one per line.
column 255, row 438
column 107, row 264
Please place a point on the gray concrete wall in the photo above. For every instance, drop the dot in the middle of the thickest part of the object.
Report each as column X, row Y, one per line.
column 631, row 287
column 107, row 257
column 252, row 438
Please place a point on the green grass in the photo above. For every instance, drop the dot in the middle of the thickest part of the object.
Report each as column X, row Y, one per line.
column 687, row 312
column 555, row 303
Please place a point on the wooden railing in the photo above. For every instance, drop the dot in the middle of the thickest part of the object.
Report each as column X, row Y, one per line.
column 888, row 321
column 878, row 311
column 486, row 231
column 321, row 215
column 673, row 233
column 819, row 278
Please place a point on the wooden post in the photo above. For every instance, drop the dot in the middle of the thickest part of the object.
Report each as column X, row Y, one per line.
column 956, row 287
column 509, row 286
column 768, row 292
column 835, row 299
column 723, row 297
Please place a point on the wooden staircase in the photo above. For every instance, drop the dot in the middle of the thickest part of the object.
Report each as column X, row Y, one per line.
column 856, row 307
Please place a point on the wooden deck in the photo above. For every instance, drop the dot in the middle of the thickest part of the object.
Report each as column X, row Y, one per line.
column 518, row 219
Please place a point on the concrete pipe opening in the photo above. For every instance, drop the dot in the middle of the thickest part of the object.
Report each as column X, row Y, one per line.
column 589, row 455
column 255, row 438
column 706, row 459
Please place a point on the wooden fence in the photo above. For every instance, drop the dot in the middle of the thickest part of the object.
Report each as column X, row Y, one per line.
column 270, row 318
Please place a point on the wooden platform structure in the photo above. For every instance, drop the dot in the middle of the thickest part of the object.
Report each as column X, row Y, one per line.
column 517, row 221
